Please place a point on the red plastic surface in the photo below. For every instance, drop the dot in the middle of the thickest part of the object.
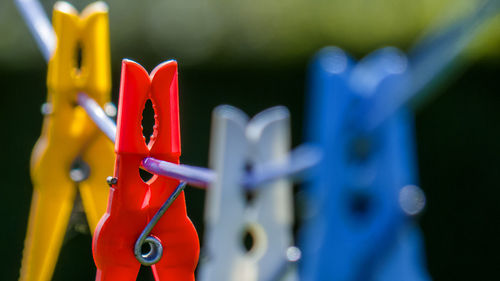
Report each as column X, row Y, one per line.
column 132, row 202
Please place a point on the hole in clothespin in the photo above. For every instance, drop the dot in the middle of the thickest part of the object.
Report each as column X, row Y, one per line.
column 360, row 149
column 249, row 196
column 145, row 175
column 148, row 121
column 248, row 240
column 360, row 205
column 249, row 193
column 79, row 170
column 253, row 239
column 78, row 57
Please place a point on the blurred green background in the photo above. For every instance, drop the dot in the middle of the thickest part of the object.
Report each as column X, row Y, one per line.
column 253, row 55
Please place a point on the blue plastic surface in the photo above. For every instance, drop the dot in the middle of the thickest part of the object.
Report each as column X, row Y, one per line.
column 354, row 227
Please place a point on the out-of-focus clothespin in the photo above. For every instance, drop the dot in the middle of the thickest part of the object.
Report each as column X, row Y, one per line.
column 134, row 202
column 361, row 199
column 68, row 135
column 263, row 214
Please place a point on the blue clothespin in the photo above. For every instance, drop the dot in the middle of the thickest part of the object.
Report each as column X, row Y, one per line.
column 360, row 202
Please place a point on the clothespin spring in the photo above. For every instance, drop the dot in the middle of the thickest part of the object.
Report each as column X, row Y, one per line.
column 155, row 250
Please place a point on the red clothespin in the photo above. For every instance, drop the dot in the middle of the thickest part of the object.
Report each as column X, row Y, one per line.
column 133, row 202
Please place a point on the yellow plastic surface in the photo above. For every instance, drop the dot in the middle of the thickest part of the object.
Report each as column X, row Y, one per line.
column 68, row 133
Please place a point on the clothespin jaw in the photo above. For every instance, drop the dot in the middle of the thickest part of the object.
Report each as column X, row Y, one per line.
column 163, row 92
column 69, row 134
column 356, row 226
column 88, row 32
column 236, row 144
column 134, row 202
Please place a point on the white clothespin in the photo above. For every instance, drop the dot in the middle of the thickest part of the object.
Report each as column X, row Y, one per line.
column 236, row 145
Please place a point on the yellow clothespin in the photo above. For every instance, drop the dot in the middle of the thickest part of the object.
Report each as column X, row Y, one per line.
column 68, row 134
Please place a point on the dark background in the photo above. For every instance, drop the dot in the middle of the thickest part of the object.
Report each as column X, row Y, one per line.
column 250, row 67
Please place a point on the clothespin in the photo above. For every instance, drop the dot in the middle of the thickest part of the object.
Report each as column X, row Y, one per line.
column 133, row 202
column 67, row 135
column 236, row 145
column 361, row 200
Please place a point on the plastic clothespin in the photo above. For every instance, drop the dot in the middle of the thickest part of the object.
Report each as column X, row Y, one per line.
column 358, row 224
column 69, row 134
column 237, row 144
column 133, row 202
